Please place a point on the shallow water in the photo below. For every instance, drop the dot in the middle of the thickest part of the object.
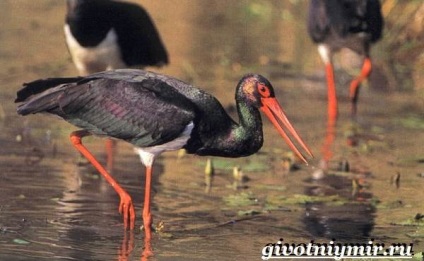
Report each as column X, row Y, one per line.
column 52, row 207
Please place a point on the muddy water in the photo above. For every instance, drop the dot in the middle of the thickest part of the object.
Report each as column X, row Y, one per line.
column 53, row 207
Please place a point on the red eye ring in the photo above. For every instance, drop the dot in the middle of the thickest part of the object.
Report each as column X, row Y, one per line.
column 264, row 90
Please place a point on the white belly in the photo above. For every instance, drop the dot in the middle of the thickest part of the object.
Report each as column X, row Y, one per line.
column 88, row 60
column 148, row 154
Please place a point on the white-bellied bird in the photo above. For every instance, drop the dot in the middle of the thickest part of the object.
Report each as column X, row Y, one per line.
column 336, row 24
column 105, row 34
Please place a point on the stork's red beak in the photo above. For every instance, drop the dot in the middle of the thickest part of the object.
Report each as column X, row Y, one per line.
column 275, row 113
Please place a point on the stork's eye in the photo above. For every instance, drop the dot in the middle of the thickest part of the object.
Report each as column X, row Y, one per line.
column 264, row 90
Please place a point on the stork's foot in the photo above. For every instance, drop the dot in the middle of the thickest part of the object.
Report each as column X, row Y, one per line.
column 147, row 227
column 147, row 222
column 126, row 208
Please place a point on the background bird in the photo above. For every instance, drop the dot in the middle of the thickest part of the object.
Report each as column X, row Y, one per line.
column 103, row 35
column 336, row 24
column 157, row 113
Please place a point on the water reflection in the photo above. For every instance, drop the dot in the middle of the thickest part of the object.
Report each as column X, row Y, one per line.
column 352, row 222
column 127, row 246
column 350, row 218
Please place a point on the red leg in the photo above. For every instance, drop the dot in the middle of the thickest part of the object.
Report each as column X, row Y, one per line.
column 147, row 251
column 110, row 151
column 147, row 216
column 356, row 83
column 126, row 207
column 330, row 135
column 332, row 97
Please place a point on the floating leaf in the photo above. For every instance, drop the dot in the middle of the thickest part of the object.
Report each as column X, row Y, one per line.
column 418, row 256
column 391, row 204
column 254, row 164
column 416, row 234
column 411, row 122
column 20, row 241
column 271, row 187
column 410, row 222
column 261, row 10
column 241, row 200
column 304, row 199
column 410, row 160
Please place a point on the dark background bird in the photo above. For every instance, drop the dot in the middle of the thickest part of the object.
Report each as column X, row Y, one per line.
column 336, row 24
column 105, row 34
column 157, row 113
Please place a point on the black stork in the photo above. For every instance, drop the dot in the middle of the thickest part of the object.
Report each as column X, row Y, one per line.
column 336, row 24
column 157, row 113
column 105, row 34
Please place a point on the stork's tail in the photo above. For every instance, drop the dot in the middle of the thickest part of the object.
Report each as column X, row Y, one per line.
column 41, row 95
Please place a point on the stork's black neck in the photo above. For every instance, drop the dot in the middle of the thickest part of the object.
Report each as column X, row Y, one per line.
column 216, row 135
column 247, row 135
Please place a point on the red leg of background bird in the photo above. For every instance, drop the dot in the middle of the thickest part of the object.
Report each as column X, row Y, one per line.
column 330, row 135
column 126, row 207
column 110, row 151
column 354, row 85
column 332, row 98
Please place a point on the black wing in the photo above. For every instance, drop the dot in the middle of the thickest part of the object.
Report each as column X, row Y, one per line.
column 40, row 86
column 137, row 35
column 144, row 111
column 344, row 17
column 374, row 20
column 356, row 16
column 318, row 21
column 89, row 21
